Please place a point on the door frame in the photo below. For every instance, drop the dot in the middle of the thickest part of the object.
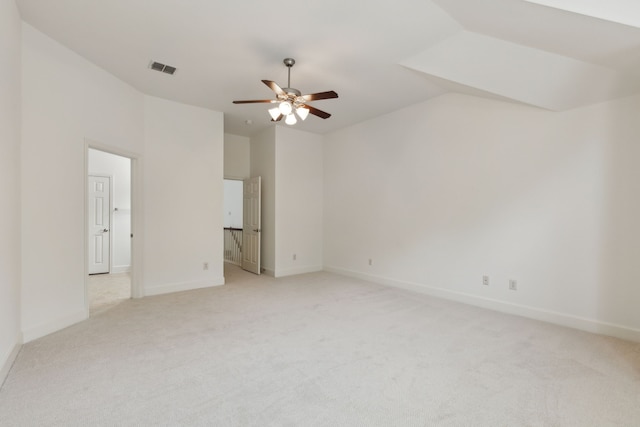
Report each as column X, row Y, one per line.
column 110, row 177
column 137, row 241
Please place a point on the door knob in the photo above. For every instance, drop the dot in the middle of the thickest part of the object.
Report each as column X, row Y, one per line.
column 105, row 230
column 257, row 230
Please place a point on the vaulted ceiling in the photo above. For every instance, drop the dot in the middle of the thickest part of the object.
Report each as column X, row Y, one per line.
column 379, row 55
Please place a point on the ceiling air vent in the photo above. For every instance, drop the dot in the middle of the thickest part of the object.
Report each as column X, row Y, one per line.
column 167, row 69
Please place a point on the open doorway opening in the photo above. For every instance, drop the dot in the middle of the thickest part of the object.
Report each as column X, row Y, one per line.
column 242, row 219
column 109, row 230
column 233, row 221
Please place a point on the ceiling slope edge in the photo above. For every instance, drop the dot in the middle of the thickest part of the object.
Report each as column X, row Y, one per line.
column 523, row 74
column 625, row 12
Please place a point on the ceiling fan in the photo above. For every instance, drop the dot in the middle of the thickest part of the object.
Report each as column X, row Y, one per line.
column 291, row 100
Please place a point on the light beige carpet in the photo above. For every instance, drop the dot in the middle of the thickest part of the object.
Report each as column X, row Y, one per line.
column 108, row 290
column 318, row 350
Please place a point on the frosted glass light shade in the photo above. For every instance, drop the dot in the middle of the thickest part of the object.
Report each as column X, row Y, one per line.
column 291, row 119
column 302, row 112
column 275, row 113
column 285, row 108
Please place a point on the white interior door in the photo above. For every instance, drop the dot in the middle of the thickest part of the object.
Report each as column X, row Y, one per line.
column 99, row 224
column 251, row 224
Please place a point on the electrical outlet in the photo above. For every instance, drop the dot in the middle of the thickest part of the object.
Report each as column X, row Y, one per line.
column 295, row 257
column 370, row 261
column 205, row 265
column 485, row 280
column 513, row 285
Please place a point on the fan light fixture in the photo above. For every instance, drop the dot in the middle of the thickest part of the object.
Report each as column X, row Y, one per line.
column 291, row 119
column 275, row 113
column 302, row 112
column 290, row 102
column 285, row 107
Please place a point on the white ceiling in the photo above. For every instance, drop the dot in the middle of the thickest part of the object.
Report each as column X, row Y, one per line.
column 379, row 55
column 622, row 11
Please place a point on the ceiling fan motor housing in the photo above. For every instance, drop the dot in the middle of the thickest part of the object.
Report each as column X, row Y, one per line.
column 292, row 95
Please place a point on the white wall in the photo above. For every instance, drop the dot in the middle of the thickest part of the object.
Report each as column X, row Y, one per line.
column 10, row 53
column 119, row 168
column 442, row 193
column 237, row 151
column 67, row 101
column 183, row 184
column 290, row 163
column 263, row 163
column 299, row 193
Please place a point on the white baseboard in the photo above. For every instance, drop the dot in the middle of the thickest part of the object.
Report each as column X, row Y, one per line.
column 120, row 269
column 8, row 362
column 53, row 326
column 298, row 270
column 268, row 272
column 562, row 319
column 184, row 286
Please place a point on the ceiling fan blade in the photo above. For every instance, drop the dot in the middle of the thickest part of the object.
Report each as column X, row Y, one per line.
column 278, row 119
column 316, row 112
column 274, row 87
column 253, row 101
column 320, row 95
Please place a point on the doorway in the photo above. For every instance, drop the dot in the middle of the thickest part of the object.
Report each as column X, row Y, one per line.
column 232, row 202
column 242, row 224
column 109, row 231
